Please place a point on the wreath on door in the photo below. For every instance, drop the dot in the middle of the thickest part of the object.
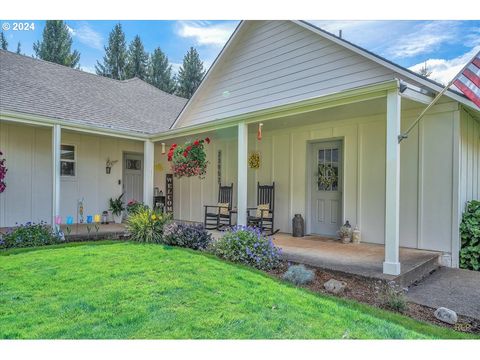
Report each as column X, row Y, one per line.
column 326, row 176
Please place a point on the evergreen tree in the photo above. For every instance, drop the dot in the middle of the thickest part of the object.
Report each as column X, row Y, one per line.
column 115, row 58
column 160, row 72
column 190, row 74
column 425, row 70
column 56, row 45
column 19, row 48
column 3, row 41
column 137, row 59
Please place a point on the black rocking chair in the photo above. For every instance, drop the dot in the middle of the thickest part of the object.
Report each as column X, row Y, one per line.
column 264, row 214
column 222, row 216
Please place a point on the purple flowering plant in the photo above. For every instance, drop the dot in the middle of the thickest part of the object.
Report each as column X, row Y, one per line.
column 249, row 246
column 193, row 236
column 3, row 173
column 29, row 234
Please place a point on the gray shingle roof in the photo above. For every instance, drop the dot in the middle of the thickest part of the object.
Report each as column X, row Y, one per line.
column 43, row 88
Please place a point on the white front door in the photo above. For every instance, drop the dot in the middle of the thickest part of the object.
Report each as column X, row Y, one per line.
column 326, row 188
column 133, row 177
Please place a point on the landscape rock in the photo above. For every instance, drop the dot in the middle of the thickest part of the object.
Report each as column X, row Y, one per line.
column 446, row 315
column 335, row 286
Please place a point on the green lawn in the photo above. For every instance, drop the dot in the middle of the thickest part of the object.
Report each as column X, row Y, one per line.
column 127, row 290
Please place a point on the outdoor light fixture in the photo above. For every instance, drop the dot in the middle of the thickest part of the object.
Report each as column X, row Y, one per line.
column 109, row 164
column 163, row 148
column 259, row 132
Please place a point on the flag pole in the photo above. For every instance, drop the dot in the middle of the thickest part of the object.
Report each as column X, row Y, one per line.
column 404, row 135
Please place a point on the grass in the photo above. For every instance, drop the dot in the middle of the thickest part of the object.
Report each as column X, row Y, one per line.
column 127, row 290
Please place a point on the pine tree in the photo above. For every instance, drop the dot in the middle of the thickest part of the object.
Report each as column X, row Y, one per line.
column 3, row 41
column 160, row 72
column 137, row 59
column 19, row 48
column 56, row 45
column 425, row 70
column 190, row 74
column 115, row 58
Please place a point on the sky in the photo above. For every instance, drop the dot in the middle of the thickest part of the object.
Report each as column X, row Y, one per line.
column 444, row 45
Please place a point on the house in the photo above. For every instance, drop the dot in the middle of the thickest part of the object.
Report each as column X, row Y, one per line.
column 318, row 99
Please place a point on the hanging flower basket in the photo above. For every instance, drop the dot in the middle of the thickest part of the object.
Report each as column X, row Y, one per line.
column 3, row 173
column 189, row 159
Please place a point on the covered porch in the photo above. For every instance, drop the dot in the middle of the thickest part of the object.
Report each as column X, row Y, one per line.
column 365, row 123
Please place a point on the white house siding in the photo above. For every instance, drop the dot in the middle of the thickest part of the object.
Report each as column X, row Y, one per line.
column 426, row 210
column 469, row 158
column 91, row 181
column 29, row 179
column 28, row 196
column 273, row 63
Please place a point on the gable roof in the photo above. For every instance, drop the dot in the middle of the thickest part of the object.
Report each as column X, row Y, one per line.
column 37, row 87
column 396, row 70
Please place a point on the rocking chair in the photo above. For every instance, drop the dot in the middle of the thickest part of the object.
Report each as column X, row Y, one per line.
column 263, row 215
column 222, row 215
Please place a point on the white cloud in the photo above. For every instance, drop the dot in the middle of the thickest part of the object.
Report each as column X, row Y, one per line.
column 424, row 38
column 86, row 35
column 443, row 70
column 89, row 69
column 206, row 33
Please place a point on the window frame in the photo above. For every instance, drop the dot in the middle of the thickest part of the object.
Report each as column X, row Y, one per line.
column 74, row 161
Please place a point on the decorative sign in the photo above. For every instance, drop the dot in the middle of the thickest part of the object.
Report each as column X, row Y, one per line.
column 219, row 166
column 169, row 194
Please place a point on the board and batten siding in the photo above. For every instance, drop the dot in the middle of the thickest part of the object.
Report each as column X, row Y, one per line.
column 469, row 158
column 28, row 196
column 28, row 151
column 272, row 63
column 426, row 159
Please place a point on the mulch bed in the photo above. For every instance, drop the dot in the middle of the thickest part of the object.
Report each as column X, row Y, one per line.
column 371, row 291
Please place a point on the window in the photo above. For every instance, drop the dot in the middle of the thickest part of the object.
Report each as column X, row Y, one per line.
column 67, row 160
column 328, row 164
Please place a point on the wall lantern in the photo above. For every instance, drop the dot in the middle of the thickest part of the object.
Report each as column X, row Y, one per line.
column 163, row 148
column 259, row 132
column 109, row 165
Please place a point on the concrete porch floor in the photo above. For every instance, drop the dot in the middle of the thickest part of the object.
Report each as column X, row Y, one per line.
column 359, row 259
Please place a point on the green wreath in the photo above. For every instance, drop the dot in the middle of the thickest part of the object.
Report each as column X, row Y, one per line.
column 326, row 176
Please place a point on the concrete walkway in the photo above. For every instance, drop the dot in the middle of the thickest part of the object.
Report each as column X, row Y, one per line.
column 455, row 289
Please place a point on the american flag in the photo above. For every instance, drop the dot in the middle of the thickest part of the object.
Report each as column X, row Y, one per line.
column 468, row 80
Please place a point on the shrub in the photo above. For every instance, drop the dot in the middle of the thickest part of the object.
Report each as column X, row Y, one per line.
column 247, row 245
column 470, row 234
column 193, row 236
column 133, row 207
column 394, row 297
column 30, row 235
column 147, row 226
column 299, row 275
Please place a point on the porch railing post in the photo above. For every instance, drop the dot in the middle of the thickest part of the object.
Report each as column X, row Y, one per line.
column 242, row 174
column 56, row 144
column 391, row 264
column 148, row 174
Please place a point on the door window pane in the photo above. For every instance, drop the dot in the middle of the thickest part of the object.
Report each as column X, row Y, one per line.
column 133, row 164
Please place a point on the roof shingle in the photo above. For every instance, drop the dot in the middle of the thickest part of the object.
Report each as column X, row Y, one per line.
column 43, row 88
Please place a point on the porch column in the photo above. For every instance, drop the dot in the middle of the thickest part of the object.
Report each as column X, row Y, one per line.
column 56, row 144
column 148, row 159
column 391, row 264
column 242, row 178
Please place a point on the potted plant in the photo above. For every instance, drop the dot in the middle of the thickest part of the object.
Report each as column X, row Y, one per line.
column 117, row 207
column 345, row 234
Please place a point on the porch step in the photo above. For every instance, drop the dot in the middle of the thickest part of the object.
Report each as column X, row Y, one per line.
column 418, row 272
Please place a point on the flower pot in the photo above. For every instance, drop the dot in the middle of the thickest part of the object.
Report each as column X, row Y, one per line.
column 117, row 218
column 346, row 239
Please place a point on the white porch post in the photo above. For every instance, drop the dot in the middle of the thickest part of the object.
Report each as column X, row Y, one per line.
column 148, row 159
column 242, row 174
column 391, row 264
column 56, row 143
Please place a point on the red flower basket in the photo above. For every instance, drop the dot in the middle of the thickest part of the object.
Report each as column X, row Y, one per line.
column 189, row 159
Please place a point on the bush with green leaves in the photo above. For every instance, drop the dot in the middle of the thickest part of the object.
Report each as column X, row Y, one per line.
column 193, row 236
column 134, row 206
column 393, row 297
column 30, row 235
column 299, row 275
column 247, row 245
column 146, row 226
column 470, row 235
